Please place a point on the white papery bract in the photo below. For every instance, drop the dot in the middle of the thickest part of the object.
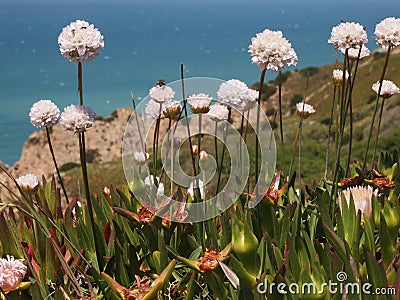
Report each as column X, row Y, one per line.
column 12, row 271
column 80, row 42
column 44, row 113
column 218, row 112
column 271, row 51
column 388, row 89
column 77, row 118
column 387, row 32
column 235, row 93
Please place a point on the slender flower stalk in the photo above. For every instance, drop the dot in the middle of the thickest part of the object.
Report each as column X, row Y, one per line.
column 329, row 131
column 281, row 119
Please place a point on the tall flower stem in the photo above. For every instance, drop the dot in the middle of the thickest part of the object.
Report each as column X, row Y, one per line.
column 378, row 129
column 376, row 108
column 55, row 164
column 281, row 120
column 82, row 152
column 329, row 132
column 216, row 142
column 221, row 163
column 262, row 77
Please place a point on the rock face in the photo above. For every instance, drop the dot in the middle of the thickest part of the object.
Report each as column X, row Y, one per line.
column 103, row 143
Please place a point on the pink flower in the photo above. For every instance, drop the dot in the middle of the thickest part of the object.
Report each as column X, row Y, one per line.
column 12, row 271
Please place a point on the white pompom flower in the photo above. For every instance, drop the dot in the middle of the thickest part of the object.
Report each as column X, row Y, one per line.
column 12, row 271
column 348, row 35
column 140, row 157
column 44, row 113
column 271, row 51
column 388, row 89
column 387, row 32
column 237, row 94
column 353, row 53
column 304, row 110
column 199, row 103
column 28, row 182
column 161, row 93
column 80, row 42
column 337, row 76
column 154, row 110
column 77, row 118
column 218, row 112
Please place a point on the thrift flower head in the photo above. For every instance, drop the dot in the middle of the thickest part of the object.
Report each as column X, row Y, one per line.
column 44, row 113
column 77, row 118
column 362, row 197
column 28, row 182
column 12, row 271
column 199, row 103
column 149, row 182
column 154, row 110
column 388, row 89
column 236, row 94
column 140, row 157
column 172, row 109
column 218, row 112
column 271, row 51
column 353, row 53
column 387, row 32
column 80, row 42
column 304, row 110
column 161, row 92
column 348, row 35
column 337, row 76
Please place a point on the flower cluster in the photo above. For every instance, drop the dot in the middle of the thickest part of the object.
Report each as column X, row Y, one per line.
column 199, row 103
column 77, row 118
column 218, row 112
column 354, row 52
column 362, row 197
column 140, row 157
column 80, row 42
column 44, row 113
column 161, row 93
column 271, row 51
column 388, row 89
column 154, row 110
column 28, row 182
column 348, row 35
column 387, row 32
column 172, row 109
column 304, row 110
column 12, row 271
column 337, row 76
column 237, row 94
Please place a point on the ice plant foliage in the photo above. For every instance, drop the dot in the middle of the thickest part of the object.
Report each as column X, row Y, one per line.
column 77, row 118
column 199, row 103
column 28, row 182
column 161, row 93
column 235, row 93
column 362, row 197
column 304, row 110
column 271, row 51
column 388, row 89
column 80, row 42
column 387, row 32
column 348, row 35
column 12, row 271
column 218, row 112
column 44, row 113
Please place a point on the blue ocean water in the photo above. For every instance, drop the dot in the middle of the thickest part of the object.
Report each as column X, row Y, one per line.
column 148, row 40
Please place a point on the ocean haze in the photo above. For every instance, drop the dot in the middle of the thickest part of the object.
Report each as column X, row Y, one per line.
column 146, row 41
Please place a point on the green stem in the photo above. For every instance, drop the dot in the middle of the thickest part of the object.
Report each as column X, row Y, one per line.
column 55, row 165
column 262, row 77
column 80, row 83
column 376, row 108
column 329, row 132
column 281, row 120
column 216, row 142
column 378, row 130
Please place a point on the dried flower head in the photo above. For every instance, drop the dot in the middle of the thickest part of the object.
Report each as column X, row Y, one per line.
column 44, row 113
column 12, row 271
column 271, row 51
column 28, row 182
column 140, row 157
column 80, row 42
column 388, row 89
column 337, row 76
column 353, row 53
column 348, row 35
column 77, row 118
column 161, row 93
column 154, row 110
column 387, row 32
column 195, row 149
column 218, row 112
column 237, row 94
column 362, row 197
column 199, row 103
column 209, row 260
column 203, row 156
column 172, row 109
column 304, row 110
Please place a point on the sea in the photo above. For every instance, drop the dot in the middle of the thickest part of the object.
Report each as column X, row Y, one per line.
column 148, row 40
